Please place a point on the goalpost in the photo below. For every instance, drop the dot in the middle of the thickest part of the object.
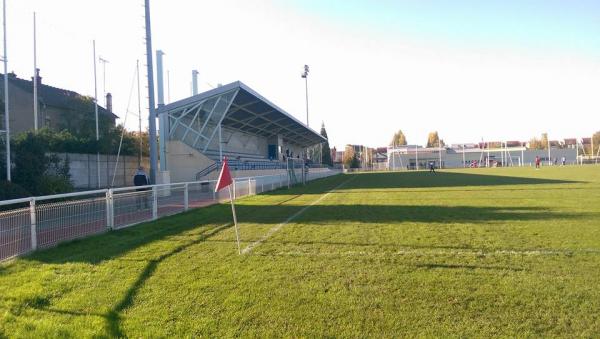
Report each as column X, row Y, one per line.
column 297, row 171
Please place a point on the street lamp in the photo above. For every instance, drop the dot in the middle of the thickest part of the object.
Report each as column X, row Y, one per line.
column 305, row 76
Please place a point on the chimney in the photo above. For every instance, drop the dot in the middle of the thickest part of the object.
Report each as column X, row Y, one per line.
column 109, row 102
column 38, row 78
column 194, row 82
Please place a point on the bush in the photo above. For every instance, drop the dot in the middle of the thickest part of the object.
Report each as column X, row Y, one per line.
column 10, row 190
column 53, row 184
column 35, row 170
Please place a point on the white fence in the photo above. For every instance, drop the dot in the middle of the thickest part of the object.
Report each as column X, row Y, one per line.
column 42, row 222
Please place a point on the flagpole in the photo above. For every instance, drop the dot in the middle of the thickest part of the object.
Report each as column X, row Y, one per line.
column 237, row 236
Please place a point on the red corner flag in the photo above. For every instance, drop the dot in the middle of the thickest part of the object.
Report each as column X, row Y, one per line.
column 224, row 177
column 226, row 181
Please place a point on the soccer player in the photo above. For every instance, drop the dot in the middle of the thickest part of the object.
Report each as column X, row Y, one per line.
column 431, row 167
column 537, row 162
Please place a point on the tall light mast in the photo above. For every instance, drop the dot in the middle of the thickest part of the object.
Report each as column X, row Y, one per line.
column 151, row 105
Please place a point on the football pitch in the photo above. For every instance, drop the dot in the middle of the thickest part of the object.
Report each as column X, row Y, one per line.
column 461, row 253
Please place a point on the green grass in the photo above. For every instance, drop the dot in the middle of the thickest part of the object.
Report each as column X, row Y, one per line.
column 473, row 253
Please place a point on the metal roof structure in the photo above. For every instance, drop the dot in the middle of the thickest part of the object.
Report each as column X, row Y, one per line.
column 195, row 120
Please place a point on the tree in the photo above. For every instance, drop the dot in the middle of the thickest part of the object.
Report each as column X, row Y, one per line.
column 544, row 140
column 433, row 140
column 596, row 142
column 399, row 139
column 349, row 155
column 325, row 150
column 35, row 170
column 539, row 144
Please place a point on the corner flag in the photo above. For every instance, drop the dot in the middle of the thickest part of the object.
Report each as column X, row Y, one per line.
column 225, row 180
column 224, row 177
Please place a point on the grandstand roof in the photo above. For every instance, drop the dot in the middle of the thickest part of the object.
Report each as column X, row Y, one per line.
column 252, row 113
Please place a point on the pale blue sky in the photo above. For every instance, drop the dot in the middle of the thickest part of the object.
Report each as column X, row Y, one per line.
column 498, row 70
column 543, row 25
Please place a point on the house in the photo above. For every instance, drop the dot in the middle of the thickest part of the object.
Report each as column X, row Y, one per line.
column 570, row 143
column 58, row 108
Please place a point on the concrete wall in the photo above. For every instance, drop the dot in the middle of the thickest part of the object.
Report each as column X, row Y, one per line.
column 83, row 170
column 239, row 142
column 184, row 162
column 245, row 143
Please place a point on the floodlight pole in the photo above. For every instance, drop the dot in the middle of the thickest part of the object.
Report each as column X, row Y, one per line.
column 35, row 77
column 305, row 76
column 137, row 68
column 6, row 110
column 96, row 115
column 151, row 108
column 162, row 119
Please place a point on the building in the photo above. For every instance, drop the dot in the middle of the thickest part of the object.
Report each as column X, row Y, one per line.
column 380, row 155
column 58, row 108
column 232, row 121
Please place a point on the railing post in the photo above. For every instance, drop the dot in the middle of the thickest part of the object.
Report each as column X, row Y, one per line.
column 186, row 201
column 249, row 187
column 33, row 221
column 154, row 203
column 214, row 193
column 109, row 210
column 234, row 189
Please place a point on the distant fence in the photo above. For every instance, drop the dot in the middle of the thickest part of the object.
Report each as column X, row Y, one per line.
column 41, row 222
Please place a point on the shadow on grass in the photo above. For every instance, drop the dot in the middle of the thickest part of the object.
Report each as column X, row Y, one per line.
column 113, row 317
column 112, row 245
column 366, row 214
column 424, row 179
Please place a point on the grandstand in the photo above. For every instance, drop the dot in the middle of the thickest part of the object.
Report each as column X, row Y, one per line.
column 233, row 121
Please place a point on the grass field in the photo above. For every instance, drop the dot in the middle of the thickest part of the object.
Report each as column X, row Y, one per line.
column 481, row 252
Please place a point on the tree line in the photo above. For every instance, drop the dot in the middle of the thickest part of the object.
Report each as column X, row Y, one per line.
column 433, row 139
column 542, row 143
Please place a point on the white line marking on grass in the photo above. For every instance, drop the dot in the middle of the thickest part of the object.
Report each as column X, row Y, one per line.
column 474, row 252
column 277, row 227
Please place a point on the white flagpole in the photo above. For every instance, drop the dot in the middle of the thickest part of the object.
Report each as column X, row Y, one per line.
column 237, row 236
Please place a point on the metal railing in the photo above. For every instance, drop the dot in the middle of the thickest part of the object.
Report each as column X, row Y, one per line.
column 41, row 222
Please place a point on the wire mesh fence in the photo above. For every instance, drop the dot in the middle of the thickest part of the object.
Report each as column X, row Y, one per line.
column 42, row 222
column 15, row 233
column 57, row 221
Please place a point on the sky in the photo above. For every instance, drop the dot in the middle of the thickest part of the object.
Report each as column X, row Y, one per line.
column 471, row 70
